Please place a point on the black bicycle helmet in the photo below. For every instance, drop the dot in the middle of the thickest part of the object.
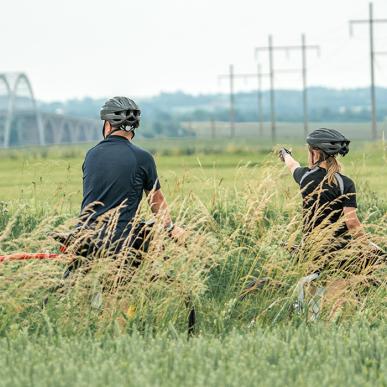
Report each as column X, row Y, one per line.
column 121, row 112
column 330, row 141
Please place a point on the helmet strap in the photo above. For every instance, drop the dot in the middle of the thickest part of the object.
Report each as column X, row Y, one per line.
column 325, row 158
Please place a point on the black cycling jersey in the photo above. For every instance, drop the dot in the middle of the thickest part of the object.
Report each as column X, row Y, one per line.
column 321, row 200
column 116, row 171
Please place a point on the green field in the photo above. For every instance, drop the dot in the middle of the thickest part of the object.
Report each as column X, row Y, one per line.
column 242, row 210
column 55, row 173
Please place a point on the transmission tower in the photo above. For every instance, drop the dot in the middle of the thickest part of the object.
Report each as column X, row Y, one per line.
column 258, row 76
column 270, row 49
column 371, row 21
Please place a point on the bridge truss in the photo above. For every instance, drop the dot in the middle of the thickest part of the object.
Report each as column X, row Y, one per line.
column 22, row 124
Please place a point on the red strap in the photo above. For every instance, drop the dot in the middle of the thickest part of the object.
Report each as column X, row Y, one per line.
column 26, row 256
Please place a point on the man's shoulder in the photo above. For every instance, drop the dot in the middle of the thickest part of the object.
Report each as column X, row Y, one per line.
column 105, row 144
column 141, row 152
column 93, row 148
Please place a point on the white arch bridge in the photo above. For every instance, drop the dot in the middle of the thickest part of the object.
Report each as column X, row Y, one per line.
column 22, row 124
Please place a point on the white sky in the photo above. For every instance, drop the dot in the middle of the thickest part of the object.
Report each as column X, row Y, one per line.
column 77, row 48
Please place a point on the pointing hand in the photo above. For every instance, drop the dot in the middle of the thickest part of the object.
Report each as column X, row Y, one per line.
column 282, row 153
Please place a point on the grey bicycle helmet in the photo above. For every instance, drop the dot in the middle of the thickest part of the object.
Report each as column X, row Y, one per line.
column 330, row 141
column 121, row 112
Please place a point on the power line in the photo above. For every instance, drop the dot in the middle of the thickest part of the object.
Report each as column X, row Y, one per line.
column 303, row 48
column 258, row 76
column 371, row 21
column 230, row 76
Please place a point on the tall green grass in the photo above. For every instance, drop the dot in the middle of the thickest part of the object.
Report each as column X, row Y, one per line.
column 238, row 234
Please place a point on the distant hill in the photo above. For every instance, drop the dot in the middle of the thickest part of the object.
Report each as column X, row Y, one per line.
column 163, row 113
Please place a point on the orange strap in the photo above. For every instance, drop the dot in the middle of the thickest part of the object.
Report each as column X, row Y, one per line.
column 27, row 256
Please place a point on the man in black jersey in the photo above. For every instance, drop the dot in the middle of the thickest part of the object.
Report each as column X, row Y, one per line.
column 116, row 173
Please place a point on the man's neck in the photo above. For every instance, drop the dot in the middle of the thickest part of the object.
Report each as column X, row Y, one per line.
column 123, row 133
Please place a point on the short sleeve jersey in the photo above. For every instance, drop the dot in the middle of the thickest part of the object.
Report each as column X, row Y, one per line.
column 321, row 200
column 117, row 172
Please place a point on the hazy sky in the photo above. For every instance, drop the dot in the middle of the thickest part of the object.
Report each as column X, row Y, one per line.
column 77, row 48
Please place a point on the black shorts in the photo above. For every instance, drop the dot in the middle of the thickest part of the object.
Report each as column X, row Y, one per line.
column 100, row 245
column 140, row 237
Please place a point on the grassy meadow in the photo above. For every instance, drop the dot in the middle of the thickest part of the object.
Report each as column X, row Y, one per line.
column 242, row 212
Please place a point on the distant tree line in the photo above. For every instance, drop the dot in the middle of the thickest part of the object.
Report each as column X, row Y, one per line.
column 163, row 114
